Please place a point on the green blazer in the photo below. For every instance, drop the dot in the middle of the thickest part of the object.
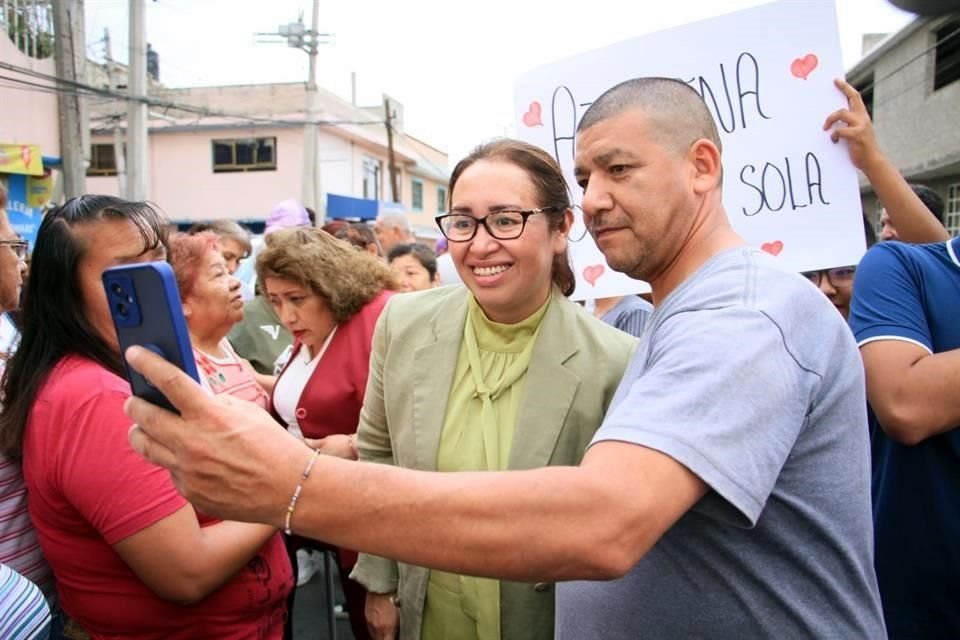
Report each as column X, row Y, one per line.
column 574, row 371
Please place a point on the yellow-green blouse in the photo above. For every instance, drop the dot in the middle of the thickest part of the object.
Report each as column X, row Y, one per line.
column 477, row 435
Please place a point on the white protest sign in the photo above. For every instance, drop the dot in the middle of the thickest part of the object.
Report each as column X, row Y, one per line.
column 767, row 76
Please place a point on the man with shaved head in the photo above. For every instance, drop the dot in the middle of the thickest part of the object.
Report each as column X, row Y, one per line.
column 727, row 493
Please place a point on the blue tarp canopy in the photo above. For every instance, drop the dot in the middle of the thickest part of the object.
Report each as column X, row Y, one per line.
column 345, row 207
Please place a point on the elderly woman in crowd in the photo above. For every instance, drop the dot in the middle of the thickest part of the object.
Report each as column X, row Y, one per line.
column 329, row 296
column 132, row 557
column 234, row 241
column 416, row 266
column 212, row 304
column 504, row 373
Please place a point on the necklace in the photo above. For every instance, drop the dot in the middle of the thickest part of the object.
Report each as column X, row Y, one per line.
column 215, row 377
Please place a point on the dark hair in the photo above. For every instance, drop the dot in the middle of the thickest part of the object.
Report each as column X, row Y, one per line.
column 424, row 255
column 930, row 198
column 868, row 231
column 311, row 215
column 548, row 182
column 335, row 226
column 53, row 316
column 360, row 235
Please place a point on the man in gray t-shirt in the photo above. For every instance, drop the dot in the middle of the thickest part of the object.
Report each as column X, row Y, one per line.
column 751, row 380
column 727, row 493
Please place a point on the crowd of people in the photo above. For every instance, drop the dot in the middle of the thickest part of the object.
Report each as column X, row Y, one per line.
column 736, row 455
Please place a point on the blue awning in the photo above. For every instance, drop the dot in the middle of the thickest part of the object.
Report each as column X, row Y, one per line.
column 347, row 208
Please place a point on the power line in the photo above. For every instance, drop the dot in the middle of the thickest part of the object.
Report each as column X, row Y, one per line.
column 67, row 87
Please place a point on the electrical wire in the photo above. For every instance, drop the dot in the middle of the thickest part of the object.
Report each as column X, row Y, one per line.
column 70, row 87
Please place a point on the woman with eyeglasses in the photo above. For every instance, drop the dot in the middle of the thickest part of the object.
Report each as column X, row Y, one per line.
column 132, row 558
column 504, row 373
column 836, row 284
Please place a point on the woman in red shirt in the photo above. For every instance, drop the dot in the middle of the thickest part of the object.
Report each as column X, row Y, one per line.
column 132, row 558
column 329, row 296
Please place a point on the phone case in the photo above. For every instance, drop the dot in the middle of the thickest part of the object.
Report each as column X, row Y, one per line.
column 146, row 310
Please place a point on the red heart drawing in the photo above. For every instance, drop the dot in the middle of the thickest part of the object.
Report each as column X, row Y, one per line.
column 592, row 273
column 532, row 117
column 802, row 67
column 773, row 248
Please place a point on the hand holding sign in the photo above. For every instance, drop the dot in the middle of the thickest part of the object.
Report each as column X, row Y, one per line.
column 787, row 188
column 858, row 131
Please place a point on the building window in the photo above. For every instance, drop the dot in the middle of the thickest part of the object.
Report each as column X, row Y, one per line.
column 103, row 162
column 416, row 194
column 865, row 89
column 952, row 218
column 441, row 199
column 371, row 179
column 244, row 154
column 946, row 68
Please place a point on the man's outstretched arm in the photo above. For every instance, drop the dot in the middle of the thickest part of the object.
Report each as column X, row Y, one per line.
column 594, row 521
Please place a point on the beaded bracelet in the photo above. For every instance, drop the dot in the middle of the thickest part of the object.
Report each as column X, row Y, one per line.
column 296, row 492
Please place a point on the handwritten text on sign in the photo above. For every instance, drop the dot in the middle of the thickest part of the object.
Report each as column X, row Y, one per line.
column 787, row 188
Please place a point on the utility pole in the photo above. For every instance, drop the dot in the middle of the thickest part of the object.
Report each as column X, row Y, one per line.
column 388, row 113
column 70, row 51
column 297, row 36
column 119, row 156
column 138, row 167
column 311, row 135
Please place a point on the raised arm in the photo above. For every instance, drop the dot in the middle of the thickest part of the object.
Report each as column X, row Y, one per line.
column 913, row 221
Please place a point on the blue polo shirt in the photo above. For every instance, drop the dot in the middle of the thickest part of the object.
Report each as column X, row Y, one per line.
column 911, row 293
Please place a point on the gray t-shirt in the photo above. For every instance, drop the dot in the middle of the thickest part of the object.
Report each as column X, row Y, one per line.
column 750, row 378
column 630, row 315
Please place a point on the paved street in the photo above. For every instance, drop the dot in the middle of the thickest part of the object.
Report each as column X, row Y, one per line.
column 310, row 611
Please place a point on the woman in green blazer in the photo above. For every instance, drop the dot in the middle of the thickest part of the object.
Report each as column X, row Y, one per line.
column 505, row 373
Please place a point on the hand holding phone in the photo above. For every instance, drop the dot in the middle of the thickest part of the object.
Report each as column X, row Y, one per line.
column 146, row 310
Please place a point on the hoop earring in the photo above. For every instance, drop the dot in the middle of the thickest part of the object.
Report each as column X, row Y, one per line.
column 578, row 230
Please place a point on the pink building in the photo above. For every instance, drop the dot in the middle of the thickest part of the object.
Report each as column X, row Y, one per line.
column 238, row 166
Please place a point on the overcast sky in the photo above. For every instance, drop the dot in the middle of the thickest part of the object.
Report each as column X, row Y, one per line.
column 452, row 64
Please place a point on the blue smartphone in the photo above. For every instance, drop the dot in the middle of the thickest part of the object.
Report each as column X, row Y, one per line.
column 146, row 310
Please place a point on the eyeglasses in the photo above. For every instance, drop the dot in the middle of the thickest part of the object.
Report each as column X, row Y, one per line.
column 19, row 247
column 502, row 225
column 838, row 276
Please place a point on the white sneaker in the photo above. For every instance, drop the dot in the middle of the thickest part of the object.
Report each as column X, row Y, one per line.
column 306, row 567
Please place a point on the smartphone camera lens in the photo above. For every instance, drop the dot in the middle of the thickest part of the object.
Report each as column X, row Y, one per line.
column 122, row 309
column 117, row 289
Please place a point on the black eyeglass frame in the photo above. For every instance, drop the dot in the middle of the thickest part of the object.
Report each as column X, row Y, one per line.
column 524, row 214
column 821, row 273
column 19, row 247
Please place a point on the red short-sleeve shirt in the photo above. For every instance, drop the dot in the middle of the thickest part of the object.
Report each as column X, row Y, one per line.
column 89, row 490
